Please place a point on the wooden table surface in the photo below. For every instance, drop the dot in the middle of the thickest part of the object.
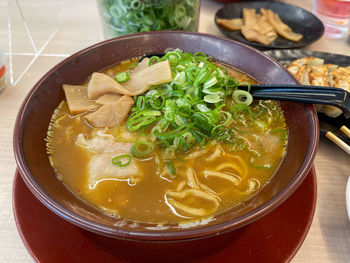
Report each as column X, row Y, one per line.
column 37, row 34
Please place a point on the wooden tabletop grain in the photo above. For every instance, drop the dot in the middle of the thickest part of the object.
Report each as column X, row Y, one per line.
column 37, row 34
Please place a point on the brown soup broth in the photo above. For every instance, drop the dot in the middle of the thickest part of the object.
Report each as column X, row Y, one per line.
column 228, row 172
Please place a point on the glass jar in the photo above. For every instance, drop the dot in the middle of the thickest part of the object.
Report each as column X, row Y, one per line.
column 122, row 17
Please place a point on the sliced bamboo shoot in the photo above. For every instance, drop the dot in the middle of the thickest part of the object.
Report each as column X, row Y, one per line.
column 77, row 99
column 281, row 28
column 232, row 24
column 111, row 115
column 108, row 99
column 142, row 65
column 101, row 84
column 142, row 80
column 250, row 18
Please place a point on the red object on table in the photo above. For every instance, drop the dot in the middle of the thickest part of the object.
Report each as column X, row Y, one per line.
column 2, row 71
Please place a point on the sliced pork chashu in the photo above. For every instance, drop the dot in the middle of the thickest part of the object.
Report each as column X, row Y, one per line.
column 102, row 168
column 104, row 148
column 101, row 142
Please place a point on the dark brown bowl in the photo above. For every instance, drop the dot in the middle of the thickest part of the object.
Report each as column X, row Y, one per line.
column 35, row 113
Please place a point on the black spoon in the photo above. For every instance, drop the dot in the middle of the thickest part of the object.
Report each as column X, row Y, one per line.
column 309, row 94
column 300, row 93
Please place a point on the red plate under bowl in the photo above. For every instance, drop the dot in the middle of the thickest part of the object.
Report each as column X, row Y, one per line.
column 274, row 238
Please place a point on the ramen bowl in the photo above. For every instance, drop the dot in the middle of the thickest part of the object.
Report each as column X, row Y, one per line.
column 35, row 114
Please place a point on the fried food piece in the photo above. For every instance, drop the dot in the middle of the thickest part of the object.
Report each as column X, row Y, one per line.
column 341, row 78
column 232, row 24
column 300, row 68
column 280, row 27
column 311, row 70
column 321, row 75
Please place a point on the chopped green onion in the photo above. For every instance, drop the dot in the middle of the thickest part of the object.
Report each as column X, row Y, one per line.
column 227, row 120
column 153, row 60
column 178, row 142
column 240, row 109
column 136, row 4
column 179, row 120
column 142, row 149
column 202, row 107
column 191, row 109
column 132, row 16
column 122, row 77
column 171, row 168
column 238, row 144
column 180, row 78
column 172, row 56
column 184, row 106
column 202, row 121
column 140, row 103
column 212, row 98
column 282, row 133
column 189, row 139
column 156, row 101
column 169, row 153
column 174, row 133
column 245, row 83
column 211, row 82
column 139, row 119
column 264, row 166
column 122, row 160
column 241, row 96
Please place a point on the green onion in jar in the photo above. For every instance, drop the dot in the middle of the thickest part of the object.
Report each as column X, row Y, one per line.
column 133, row 16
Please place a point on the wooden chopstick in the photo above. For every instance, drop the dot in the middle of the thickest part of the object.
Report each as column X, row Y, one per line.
column 338, row 141
column 345, row 130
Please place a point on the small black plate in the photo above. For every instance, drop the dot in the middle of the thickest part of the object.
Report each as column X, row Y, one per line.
column 286, row 56
column 300, row 20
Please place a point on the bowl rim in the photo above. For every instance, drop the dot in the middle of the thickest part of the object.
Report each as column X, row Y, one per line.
column 153, row 235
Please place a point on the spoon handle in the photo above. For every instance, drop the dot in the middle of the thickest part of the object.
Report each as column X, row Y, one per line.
column 308, row 94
